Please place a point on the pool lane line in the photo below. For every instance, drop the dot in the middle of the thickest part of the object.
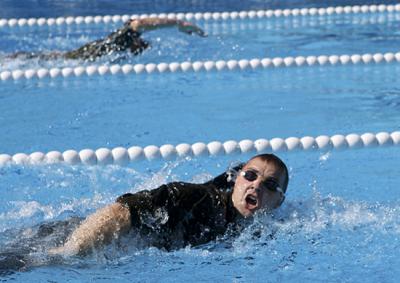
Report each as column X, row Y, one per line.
column 207, row 16
column 123, row 156
column 199, row 66
column 218, row 28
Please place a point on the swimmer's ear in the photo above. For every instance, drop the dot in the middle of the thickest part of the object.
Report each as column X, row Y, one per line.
column 233, row 171
column 231, row 176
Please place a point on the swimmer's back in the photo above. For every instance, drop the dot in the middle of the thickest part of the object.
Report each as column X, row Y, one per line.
column 121, row 40
column 178, row 214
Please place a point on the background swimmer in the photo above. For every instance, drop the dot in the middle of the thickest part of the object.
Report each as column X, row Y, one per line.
column 127, row 38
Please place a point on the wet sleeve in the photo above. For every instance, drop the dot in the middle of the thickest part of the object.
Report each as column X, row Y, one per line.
column 146, row 202
column 173, row 199
column 120, row 40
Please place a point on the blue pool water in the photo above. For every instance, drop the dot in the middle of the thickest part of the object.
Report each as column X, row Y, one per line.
column 340, row 220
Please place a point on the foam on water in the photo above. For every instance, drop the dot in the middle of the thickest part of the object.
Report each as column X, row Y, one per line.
column 41, row 193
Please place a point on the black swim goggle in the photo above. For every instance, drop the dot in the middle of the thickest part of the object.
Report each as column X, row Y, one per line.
column 270, row 184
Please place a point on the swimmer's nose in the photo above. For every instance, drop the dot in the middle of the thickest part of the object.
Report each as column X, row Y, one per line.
column 257, row 184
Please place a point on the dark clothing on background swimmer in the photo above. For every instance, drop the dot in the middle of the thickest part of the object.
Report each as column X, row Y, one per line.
column 123, row 39
column 179, row 214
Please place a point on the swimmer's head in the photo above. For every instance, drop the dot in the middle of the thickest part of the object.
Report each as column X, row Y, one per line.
column 261, row 183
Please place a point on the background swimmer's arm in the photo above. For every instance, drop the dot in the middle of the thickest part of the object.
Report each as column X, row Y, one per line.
column 98, row 229
column 148, row 24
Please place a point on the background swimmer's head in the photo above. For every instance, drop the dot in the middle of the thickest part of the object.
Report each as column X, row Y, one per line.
column 261, row 183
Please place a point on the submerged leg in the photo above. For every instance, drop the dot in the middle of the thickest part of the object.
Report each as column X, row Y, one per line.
column 23, row 55
column 28, row 247
column 10, row 262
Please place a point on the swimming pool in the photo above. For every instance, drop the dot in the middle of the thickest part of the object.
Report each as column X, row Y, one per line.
column 340, row 219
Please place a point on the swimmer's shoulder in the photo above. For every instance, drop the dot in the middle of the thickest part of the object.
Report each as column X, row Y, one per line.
column 173, row 193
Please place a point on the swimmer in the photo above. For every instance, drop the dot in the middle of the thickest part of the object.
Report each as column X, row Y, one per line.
column 179, row 214
column 170, row 217
column 127, row 38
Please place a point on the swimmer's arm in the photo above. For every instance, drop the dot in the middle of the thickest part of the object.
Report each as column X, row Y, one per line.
column 148, row 24
column 98, row 229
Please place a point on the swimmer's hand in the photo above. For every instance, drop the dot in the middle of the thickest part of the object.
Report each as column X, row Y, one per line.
column 190, row 28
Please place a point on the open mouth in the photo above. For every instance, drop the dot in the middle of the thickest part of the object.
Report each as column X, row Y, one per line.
column 251, row 200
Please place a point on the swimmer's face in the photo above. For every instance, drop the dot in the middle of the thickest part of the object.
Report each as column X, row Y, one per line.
column 258, row 186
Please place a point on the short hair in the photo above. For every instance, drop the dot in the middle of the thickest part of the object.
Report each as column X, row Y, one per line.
column 268, row 157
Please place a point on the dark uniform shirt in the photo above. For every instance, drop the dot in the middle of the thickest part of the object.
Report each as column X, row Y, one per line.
column 179, row 214
column 123, row 39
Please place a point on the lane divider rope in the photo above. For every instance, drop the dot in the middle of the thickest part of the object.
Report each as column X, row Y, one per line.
column 207, row 16
column 219, row 28
column 198, row 66
column 123, row 156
